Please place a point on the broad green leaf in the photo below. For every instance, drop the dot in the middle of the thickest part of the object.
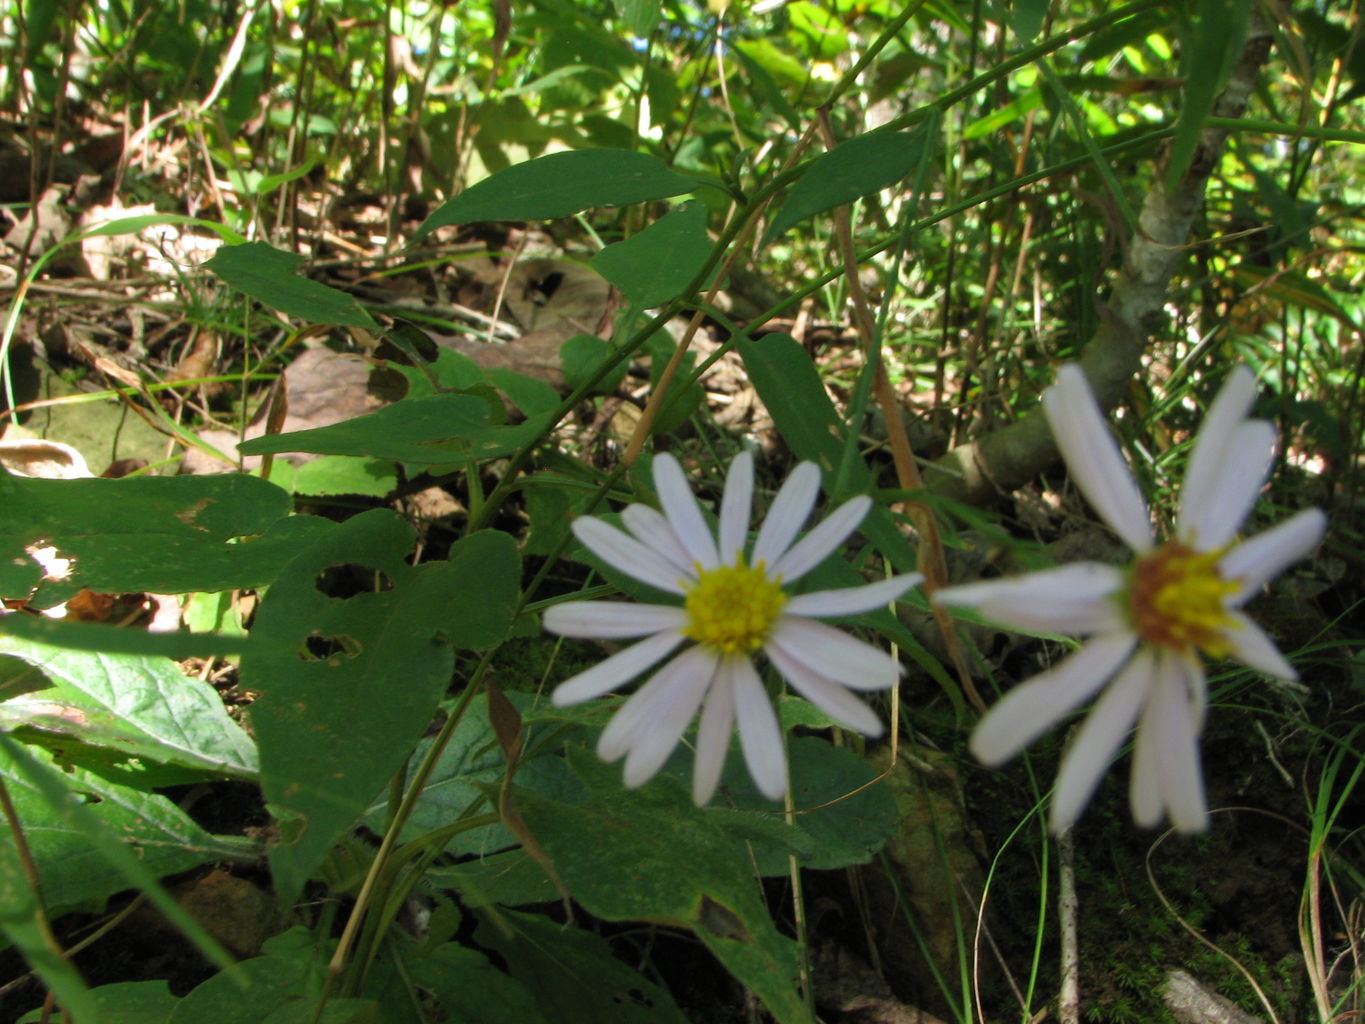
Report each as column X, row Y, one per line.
column 137, row 706
column 533, row 397
column 163, row 535
column 349, row 685
column 511, row 878
column 469, row 988
column 472, row 761
column 280, row 987
column 657, row 264
column 86, row 636
column 1028, row 16
column 125, row 1002
column 91, row 838
column 641, row 16
column 270, row 276
column 852, row 169
column 845, row 825
column 562, row 184
column 345, row 474
column 651, row 854
column 786, row 379
column 435, row 430
column 1209, row 47
column 572, row 973
column 583, row 355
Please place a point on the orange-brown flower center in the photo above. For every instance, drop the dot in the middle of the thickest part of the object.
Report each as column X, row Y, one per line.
column 1177, row 599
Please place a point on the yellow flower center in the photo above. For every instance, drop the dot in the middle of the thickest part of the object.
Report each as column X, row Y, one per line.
column 1176, row 599
column 732, row 608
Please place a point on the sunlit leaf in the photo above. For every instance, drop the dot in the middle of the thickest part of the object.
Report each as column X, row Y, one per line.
column 561, row 184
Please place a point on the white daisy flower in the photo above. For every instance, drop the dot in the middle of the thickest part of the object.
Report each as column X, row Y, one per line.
column 733, row 607
column 1147, row 622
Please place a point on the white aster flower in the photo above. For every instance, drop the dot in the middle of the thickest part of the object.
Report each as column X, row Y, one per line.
column 733, row 606
column 1147, row 622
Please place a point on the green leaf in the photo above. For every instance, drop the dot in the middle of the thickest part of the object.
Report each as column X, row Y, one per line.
column 533, row 397
column 583, row 355
column 562, row 184
column 1028, row 16
column 138, row 706
column 125, row 1002
column 641, row 16
column 657, row 264
column 91, row 838
column 469, row 988
column 843, row 829
column 852, row 169
column 573, row 975
column 472, row 761
column 436, row 430
column 345, row 474
column 651, row 854
column 785, row 377
column 1208, row 49
column 86, row 636
column 280, row 987
column 349, row 685
column 163, row 535
column 270, row 276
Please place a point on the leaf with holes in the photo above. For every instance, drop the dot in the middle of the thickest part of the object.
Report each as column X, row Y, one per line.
column 352, row 649
column 163, row 535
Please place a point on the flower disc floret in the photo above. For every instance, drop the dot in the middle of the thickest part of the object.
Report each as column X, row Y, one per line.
column 732, row 608
column 1178, row 599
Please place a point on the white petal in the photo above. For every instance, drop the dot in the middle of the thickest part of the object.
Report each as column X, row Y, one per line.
column 611, row 620
column 834, row 654
column 821, row 542
column 623, row 731
column 1225, row 415
column 1093, row 456
column 1214, row 515
column 1252, row 647
column 1166, row 774
column 713, row 735
column 787, row 515
column 680, row 695
column 759, row 732
column 1075, row 598
column 683, row 512
column 1104, row 730
column 736, row 505
column 852, row 600
column 656, row 533
column 1254, row 562
column 621, row 667
column 619, row 549
column 1034, row 707
column 825, row 694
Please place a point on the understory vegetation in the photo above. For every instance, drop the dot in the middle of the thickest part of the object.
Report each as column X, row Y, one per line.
column 374, row 375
